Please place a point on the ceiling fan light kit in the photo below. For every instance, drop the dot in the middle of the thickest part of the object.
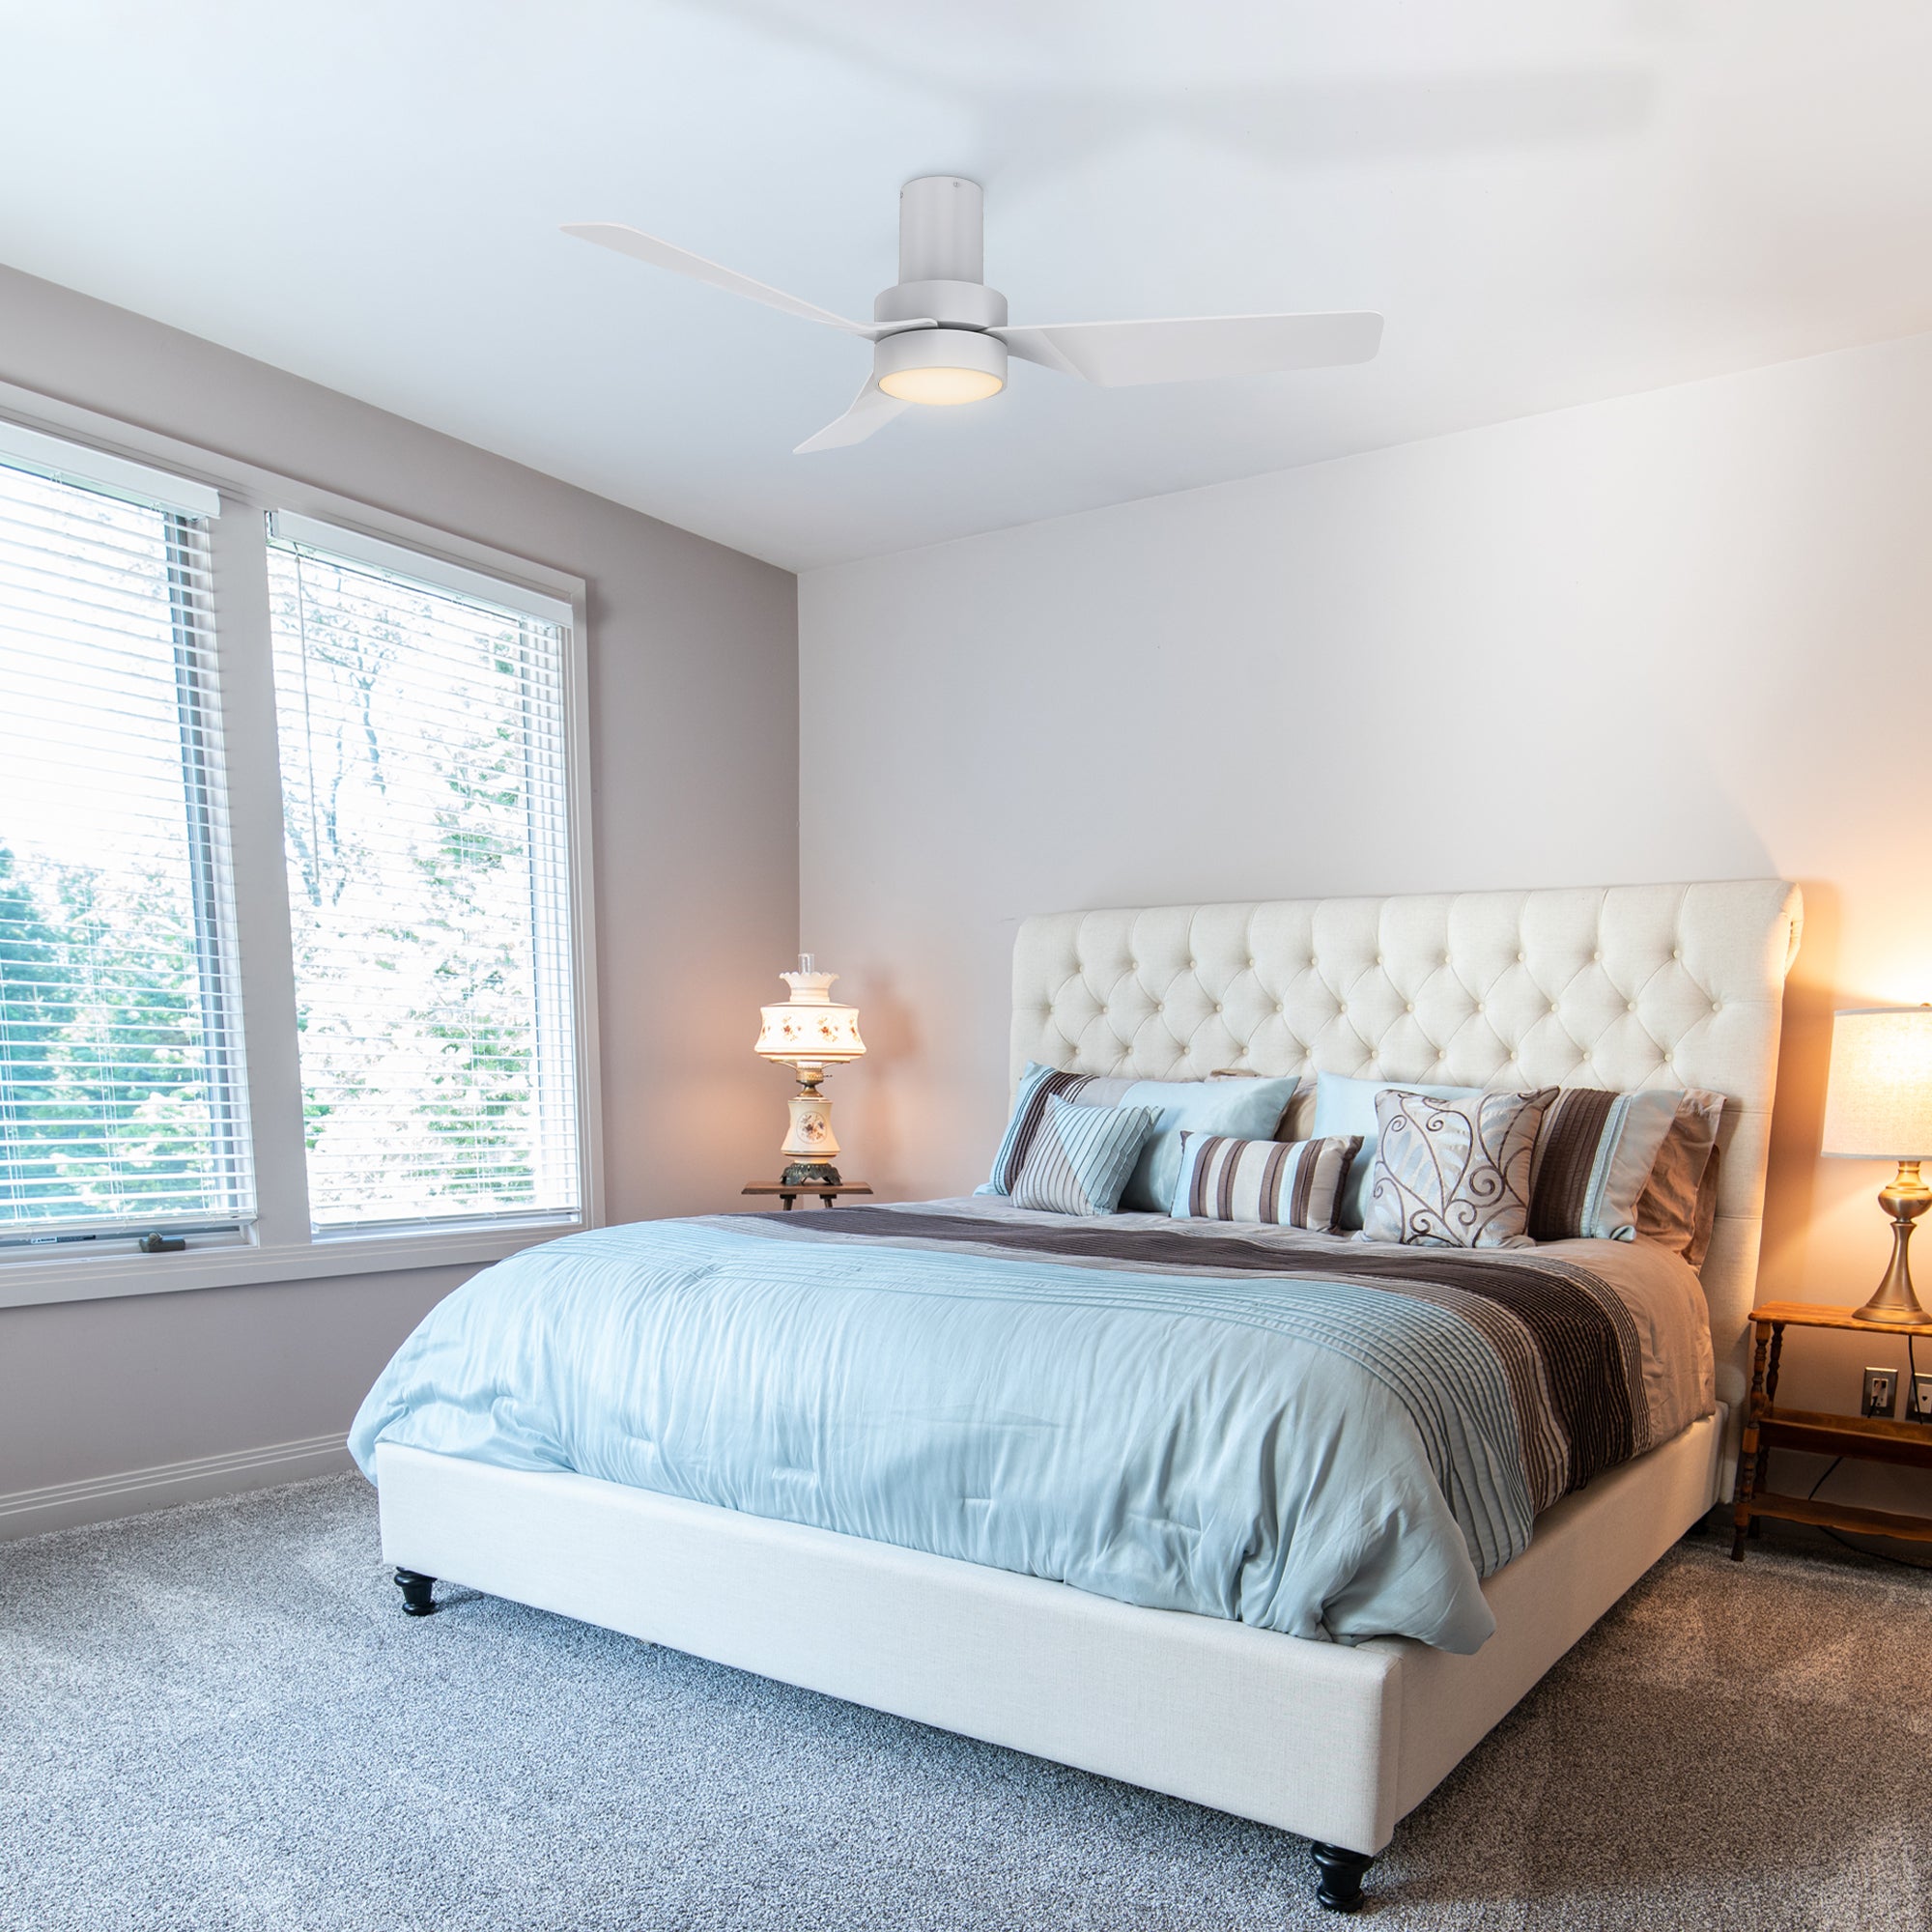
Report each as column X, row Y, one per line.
column 940, row 365
column 940, row 336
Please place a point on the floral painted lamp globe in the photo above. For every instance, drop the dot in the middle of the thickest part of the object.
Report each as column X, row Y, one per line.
column 809, row 1032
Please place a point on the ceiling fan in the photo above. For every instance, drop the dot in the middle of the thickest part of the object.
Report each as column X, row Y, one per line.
column 940, row 334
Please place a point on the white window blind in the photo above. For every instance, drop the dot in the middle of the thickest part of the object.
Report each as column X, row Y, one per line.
column 122, row 1092
column 425, row 809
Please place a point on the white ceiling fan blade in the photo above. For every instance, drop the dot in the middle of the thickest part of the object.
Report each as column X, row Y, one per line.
column 871, row 410
column 681, row 262
column 1189, row 349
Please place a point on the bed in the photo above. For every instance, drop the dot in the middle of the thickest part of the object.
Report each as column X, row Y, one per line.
column 1214, row 1690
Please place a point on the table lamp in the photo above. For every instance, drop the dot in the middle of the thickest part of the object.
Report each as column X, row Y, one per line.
column 809, row 1032
column 1878, row 1106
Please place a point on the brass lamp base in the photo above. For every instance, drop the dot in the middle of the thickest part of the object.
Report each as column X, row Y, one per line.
column 1905, row 1200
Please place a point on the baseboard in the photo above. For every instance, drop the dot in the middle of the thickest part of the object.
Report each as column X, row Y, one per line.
column 130, row 1491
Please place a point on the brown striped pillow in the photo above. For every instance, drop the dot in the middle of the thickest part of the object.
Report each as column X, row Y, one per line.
column 1594, row 1155
column 1279, row 1183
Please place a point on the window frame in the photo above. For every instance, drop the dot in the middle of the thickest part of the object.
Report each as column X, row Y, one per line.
column 281, row 1245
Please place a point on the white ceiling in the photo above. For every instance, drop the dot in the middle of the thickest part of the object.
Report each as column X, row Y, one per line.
column 1550, row 203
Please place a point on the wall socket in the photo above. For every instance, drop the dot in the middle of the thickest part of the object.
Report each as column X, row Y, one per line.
column 1881, row 1392
column 1919, row 1400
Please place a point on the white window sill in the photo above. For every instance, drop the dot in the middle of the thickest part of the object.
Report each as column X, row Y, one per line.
column 29, row 1283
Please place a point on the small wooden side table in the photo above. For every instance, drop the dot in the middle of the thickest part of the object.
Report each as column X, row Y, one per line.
column 827, row 1194
column 1871, row 1438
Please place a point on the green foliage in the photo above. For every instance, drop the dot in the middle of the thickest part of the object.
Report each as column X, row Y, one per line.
column 33, row 1012
column 104, row 1094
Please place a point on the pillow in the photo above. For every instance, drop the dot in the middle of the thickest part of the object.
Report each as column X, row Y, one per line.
column 1668, row 1211
column 1343, row 1106
column 1594, row 1157
column 1037, row 1086
column 1282, row 1184
column 1080, row 1157
column 1454, row 1173
column 1707, row 1212
column 1247, row 1109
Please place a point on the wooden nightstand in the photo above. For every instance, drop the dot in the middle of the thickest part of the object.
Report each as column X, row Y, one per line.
column 1871, row 1438
column 827, row 1195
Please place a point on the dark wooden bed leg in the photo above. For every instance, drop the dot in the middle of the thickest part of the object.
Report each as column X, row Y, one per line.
column 1342, row 1875
column 416, row 1588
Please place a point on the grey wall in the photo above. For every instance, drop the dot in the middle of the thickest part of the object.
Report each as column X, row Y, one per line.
column 1683, row 634
column 694, row 773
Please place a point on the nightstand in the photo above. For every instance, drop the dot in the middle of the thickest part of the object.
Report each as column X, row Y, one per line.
column 1870, row 1439
column 827, row 1194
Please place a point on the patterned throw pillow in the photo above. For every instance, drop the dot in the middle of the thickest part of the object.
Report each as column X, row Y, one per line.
column 1594, row 1157
column 1282, row 1184
column 1346, row 1106
column 1080, row 1157
column 1454, row 1173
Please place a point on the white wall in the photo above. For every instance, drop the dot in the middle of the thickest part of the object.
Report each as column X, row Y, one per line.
column 1686, row 635
column 695, row 775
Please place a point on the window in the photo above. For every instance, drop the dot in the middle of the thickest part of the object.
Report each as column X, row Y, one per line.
column 422, row 762
column 123, row 1106
column 294, row 951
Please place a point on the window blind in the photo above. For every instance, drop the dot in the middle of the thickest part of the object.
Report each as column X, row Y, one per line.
column 122, row 1092
column 423, row 740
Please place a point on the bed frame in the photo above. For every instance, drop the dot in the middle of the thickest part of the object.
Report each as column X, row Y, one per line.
column 1623, row 986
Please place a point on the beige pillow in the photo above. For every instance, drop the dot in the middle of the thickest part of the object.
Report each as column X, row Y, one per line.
column 1707, row 1211
column 1681, row 1197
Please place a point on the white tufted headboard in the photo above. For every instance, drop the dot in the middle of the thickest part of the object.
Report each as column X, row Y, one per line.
column 1619, row 986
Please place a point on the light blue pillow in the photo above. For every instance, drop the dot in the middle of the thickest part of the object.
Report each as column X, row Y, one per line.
column 1244, row 1110
column 1345, row 1106
column 1080, row 1158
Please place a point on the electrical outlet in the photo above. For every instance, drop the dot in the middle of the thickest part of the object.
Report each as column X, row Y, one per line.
column 1919, row 1400
column 1881, row 1392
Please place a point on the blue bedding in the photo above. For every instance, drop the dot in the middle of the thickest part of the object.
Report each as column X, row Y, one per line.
column 1238, row 1428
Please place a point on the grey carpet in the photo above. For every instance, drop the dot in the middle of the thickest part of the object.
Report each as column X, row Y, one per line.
column 218, row 1718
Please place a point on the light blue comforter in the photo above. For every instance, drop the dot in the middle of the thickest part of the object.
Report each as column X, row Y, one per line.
column 1167, row 1438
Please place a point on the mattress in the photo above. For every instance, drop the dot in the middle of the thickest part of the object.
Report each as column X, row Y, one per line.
column 1330, row 1438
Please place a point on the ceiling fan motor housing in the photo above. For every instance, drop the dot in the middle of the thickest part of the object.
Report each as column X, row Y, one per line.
column 942, row 257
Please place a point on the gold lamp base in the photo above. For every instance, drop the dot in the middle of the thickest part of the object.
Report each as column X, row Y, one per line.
column 1905, row 1200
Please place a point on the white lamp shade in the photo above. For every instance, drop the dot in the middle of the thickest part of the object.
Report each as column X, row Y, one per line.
column 1879, row 1103
column 810, row 1029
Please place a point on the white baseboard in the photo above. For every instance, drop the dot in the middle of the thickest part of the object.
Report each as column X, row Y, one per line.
column 130, row 1491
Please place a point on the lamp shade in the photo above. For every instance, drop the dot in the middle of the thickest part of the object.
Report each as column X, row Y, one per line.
column 1879, row 1103
column 810, row 1029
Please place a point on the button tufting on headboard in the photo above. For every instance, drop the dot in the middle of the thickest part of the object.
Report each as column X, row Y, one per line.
column 1619, row 986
